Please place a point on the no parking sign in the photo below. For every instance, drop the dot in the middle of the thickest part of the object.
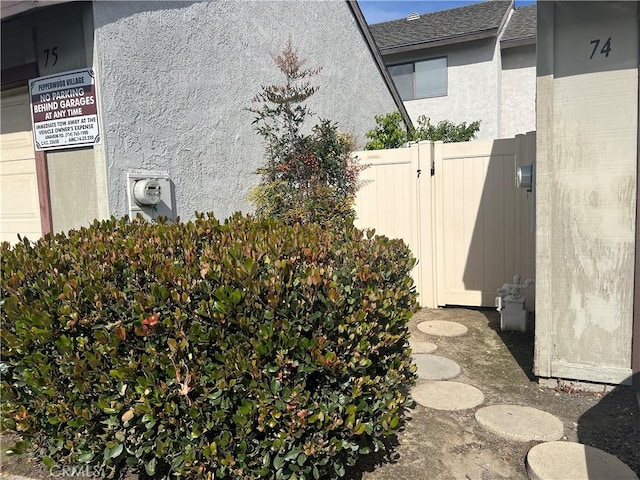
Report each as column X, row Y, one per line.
column 64, row 110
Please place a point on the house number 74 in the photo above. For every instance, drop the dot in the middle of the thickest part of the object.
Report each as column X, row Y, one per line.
column 605, row 50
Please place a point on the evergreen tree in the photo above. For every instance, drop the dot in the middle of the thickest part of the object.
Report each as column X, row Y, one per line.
column 307, row 177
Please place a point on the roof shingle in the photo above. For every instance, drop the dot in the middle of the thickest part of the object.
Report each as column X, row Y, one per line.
column 522, row 24
column 455, row 22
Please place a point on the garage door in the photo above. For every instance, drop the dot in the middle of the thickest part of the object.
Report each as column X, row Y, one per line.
column 19, row 206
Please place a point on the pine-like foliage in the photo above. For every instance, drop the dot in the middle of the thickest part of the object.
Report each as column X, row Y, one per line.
column 307, row 177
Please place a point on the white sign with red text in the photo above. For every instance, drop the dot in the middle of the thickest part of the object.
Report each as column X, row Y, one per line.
column 64, row 110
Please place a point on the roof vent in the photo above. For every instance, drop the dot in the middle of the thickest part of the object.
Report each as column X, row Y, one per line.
column 413, row 16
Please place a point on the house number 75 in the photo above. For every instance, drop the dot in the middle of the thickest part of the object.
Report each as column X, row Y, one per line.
column 50, row 55
column 605, row 50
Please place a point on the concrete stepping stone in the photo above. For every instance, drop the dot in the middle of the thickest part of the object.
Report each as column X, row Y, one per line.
column 447, row 395
column 441, row 328
column 422, row 347
column 433, row 367
column 522, row 424
column 562, row 460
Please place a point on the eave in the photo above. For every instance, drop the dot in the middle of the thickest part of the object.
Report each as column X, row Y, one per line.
column 518, row 42
column 453, row 39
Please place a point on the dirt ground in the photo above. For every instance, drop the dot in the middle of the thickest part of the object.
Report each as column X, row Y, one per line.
column 452, row 445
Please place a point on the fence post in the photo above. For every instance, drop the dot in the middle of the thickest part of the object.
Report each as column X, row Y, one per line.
column 425, row 221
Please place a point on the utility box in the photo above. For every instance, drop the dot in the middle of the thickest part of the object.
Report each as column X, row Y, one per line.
column 512, row 305
column 150, row 194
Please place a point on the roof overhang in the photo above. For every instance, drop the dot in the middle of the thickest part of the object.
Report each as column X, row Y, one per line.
column 467, row 37
column 517, row 42
column 382, row 68
column 11, row 8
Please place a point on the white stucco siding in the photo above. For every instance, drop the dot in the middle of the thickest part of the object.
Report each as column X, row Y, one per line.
column 177, row 76
column 518, row 91
column 586, row 189
column 472, row 86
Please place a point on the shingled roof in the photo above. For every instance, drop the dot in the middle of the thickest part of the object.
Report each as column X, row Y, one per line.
column 521, row 27
column 478, row 18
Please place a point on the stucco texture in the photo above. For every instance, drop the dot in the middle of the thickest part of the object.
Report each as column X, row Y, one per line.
column 472, row 84
column 176, row 79
column 518, row 106
column 586, row 190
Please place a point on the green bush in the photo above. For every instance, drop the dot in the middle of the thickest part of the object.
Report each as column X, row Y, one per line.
column 390, row 134
column 241, row 349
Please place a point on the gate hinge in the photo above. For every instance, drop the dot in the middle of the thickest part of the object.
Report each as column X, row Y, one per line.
column 433, row 170
column 419, row 172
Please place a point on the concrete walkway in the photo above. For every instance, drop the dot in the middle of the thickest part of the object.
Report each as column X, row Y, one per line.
column 560, row 460
column 550, row 460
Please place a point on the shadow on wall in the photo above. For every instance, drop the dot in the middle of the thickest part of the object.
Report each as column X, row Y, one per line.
column 458, row 55
column 613, row 426
column 490, row 219
column 107, row 14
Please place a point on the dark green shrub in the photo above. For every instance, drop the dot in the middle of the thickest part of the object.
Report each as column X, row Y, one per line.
column 237, row 350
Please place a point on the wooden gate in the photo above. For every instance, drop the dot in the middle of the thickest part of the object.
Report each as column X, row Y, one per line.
column 457, row 207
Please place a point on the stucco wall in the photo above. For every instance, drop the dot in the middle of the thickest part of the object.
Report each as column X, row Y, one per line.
column 176, row 76
column 473, row 88
column 518, row 92
column 586, row 189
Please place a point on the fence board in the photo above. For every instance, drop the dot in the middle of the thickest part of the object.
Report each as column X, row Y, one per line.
column 468, row 225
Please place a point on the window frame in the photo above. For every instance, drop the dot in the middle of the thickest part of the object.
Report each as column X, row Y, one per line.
column 414, row 78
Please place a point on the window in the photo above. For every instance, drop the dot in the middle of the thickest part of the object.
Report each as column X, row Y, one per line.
column 424, row 79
